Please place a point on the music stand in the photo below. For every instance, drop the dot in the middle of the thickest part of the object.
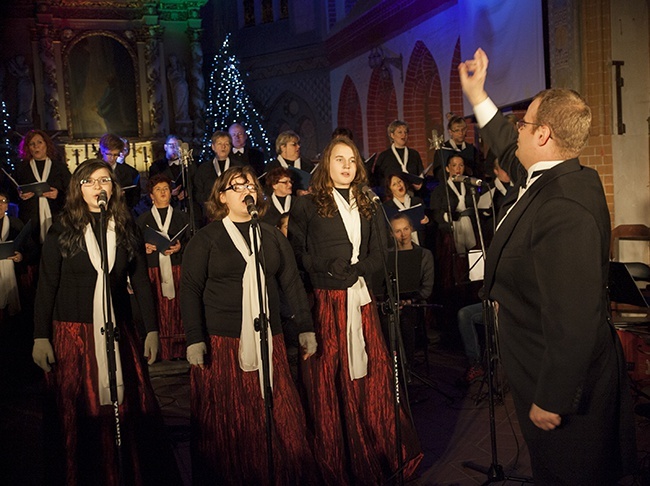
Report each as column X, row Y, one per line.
column 623, row 288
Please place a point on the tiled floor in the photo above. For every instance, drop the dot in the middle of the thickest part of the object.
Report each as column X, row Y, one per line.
column 452, row 426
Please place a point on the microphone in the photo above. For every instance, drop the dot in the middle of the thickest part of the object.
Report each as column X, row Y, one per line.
column 250, row 206
column 472, row 181
column 102, row 199
column 370, row 194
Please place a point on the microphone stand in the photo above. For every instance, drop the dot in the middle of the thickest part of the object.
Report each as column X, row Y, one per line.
column 261, row 325
column 494, row 472
column 112, row 337
column 396, row 344
column 186, row 158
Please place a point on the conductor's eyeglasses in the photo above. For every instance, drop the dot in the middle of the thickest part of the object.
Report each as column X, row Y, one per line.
column 103, row 181
column 241, row 188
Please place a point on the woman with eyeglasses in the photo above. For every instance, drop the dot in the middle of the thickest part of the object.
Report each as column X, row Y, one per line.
column 349, row 381
column 70, row 345
column 40, row 162
column 279, row 182
column 219, row 305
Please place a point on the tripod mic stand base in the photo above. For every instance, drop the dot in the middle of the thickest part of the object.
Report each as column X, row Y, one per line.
column 495, row 473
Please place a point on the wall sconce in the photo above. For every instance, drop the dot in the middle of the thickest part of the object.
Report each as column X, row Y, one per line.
column 377, row 59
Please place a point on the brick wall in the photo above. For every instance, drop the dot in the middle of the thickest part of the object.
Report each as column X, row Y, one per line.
column 597, row 88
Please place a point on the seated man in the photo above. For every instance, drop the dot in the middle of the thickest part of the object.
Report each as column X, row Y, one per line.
column 402, row 229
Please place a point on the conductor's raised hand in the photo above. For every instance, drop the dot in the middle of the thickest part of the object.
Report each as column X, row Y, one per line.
column 473, row 73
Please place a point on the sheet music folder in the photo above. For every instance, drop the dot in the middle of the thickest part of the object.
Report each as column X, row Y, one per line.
column 623, row 288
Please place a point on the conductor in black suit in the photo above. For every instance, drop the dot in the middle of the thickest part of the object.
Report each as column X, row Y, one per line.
column 242, row 153
column 546, row 271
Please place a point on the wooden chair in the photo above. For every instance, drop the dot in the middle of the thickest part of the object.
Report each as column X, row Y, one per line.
column 631, row 232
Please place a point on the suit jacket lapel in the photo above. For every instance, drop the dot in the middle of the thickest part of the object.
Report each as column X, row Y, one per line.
column 504, row 232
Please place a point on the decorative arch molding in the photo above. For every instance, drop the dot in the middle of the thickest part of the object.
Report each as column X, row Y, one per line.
column 349, row 111
column 102, row 87
column 381, row 110
column 290, row 111
column 423, row 99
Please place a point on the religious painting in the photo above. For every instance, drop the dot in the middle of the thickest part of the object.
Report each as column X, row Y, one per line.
column 101, row 88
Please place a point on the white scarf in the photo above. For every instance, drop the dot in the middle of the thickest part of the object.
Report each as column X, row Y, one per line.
column 463, row 229
column 8, row 285
column 44, row 213
column 399, row 159
column 165, row 261
column 250, row 347
column 217, row 169
column 283, row 163
column 358, row 294
column 455, row 146
column 276, row 202
column 405, row 205
column 99, row 319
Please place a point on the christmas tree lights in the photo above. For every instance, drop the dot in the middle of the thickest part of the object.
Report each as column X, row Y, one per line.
column 228, row 103
column 7, row 152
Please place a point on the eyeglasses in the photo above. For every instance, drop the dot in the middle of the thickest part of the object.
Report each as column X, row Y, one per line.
column 103, row 181
column 241, row 188
column 113, row 155
column 522, row 123
column 4, row 201
column 289, row 181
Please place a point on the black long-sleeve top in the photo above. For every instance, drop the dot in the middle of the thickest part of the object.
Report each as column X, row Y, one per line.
column 387, row 164
column 317, row 241
column 179, row 219
column 66, row 286
column 211, row 283
column 440, row 206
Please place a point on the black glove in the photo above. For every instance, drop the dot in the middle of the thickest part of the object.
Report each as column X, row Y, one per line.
column 339, row 268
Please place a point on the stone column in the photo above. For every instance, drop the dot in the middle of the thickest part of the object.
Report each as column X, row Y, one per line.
column 52, row 116
column 197, row 85
column 155, row 82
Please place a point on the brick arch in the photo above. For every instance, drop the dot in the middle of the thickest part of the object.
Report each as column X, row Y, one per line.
column 456, row 97
column 423, row 99
column 349, row 112
column 382, row 109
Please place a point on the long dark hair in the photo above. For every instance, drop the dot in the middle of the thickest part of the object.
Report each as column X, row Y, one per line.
column 76, row 216
column 322, row 185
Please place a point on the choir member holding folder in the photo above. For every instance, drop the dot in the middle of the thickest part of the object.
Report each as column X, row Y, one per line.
column 401, row 200
column 42, row 179
column 164, row 229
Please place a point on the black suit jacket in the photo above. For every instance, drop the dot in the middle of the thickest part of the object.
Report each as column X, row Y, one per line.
column 547, row 268
column 128, row 176
column 252, row 157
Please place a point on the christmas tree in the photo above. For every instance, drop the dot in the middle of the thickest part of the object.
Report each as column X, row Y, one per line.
column 228, row 103
column 7, row 152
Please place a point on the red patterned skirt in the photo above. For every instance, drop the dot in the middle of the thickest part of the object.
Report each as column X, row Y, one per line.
column 80, row 433
column 228, row 422
column 354, row 420
column 172, row 334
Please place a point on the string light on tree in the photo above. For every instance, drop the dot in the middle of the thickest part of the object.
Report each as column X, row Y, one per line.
column 6, row 149
column 228, row 103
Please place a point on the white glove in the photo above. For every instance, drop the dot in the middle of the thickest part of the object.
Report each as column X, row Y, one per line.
column 43, row 354
column 308, row 343
column 195, row 354
column 151, row 346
